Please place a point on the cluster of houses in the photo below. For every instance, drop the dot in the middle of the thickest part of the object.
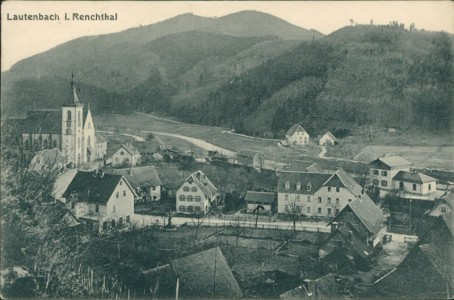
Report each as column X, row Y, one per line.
column 298, row 136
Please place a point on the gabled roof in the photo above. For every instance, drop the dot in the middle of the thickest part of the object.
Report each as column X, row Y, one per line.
column 328, row 133
column 206, row 275
column 43, row 121
column 305, row 166
column 314, row 180
column 249, row 153
column 262, row 197
column 356, row 243
column 92, row 187
column 413, row 177
column 341, row 179
column 295, row 128
column 129, row 148
column 448, row 198
column 99, row 138
column 140, row 176
column 390, row 162
column 448, row 219
column 50, row 156
column 202, row 181
column 367, row 212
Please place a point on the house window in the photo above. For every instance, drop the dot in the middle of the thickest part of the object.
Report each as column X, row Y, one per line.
column 198, row 199
column 287, row 185
column 189, row 198
column 308, row 198
column 319, row 199
column 286, row 208
column 182, row 208
column 190, row 208
column 54, row 144
column 117, row 195
column 181, row 198
column 153, row 188
column 197, row 208
column 122, row 153
column 401, row 185
column 384, row 183
column 414, row 186
column 349, row 200
column 375, row 172
column 443, row 210
column 337, row 211
column 337, row 200
column 430, row 187
column 328, row 200
column 97, row 208
column 329, row 211
column 329, row 189
column 384, row 173
column 113, row 223
column 308, row 209
column 375, row 182
column 186, row 189
column 113, row 208
column 124, row 193
column 193, row 189
column 319, row 210
column 121, row 182
column 337, row 190
column 308, row 187
column 298, row 186
column 286, row 197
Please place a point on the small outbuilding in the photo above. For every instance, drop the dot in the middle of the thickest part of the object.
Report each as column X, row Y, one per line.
column 328, row 139
column 266, row 199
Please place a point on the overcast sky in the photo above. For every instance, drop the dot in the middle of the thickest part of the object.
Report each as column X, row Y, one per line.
column 22, row 39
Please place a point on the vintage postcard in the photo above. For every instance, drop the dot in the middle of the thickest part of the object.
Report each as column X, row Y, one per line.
column 227, row 149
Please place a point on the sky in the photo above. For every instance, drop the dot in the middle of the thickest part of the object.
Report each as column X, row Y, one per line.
column 22, row 39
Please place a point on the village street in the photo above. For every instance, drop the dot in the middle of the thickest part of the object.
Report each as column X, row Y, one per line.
column 147, row 220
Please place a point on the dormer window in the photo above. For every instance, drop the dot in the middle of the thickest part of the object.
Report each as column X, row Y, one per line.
column 287, row 185
column 308, row 187
column 298, row 186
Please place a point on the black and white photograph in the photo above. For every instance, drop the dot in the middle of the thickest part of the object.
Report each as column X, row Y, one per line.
column 227, row 150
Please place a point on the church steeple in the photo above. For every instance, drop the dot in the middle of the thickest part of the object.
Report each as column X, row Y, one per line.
column 74, row 90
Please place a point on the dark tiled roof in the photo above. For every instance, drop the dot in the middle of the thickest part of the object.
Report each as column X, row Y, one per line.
column 305, row 166
column 93, row 188
column 369, row 214
column 316, row 180
column 448, row 219
column 390, row 162
column 43, row 121
column 356, row 243
column 413, row 177
column 326, row 287
column 141, row 176
column 342, row 179
column 294, row 128
column 248, row 153
column 261, row 197
column 49, row 157
column 206, row 275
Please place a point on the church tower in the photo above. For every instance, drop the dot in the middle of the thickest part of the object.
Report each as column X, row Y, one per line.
column 72, row 127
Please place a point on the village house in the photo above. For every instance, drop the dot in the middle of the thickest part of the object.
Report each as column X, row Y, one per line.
column 443, row 205
column 416, row 186
column 250, row 158
column 70, row 129
column 48, row 160
column 297, row 136
column 145, row 180
column 101, row 145
column 196, row 194
column 383, row 170
column 267, row 200
column 203, row 275
column 316, row 194
column 328, row 139
column 356, row 230
column 125, row 156
column 100, row 200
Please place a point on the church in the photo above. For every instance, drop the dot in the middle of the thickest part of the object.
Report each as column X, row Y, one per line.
column 70, row 129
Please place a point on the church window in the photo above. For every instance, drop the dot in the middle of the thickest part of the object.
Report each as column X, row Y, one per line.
column 89, row 141
column 68, row 131
column 69, row 116
column 78, row 143
column 89, row 125
column 79, row 119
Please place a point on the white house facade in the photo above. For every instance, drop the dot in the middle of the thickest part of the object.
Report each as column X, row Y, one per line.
column 297, row 136
column 196, row 195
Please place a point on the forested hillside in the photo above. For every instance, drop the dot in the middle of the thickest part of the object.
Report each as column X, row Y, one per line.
column 208, row 71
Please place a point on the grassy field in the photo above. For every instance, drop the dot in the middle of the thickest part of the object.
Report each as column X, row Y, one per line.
column 214, row 135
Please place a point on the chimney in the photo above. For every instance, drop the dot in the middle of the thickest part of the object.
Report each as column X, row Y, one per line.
column 334, row 226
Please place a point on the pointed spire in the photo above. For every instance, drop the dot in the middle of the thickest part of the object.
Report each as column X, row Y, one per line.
column 74, row 89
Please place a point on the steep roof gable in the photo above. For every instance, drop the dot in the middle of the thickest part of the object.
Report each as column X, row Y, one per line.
column 93, row 187
column 295, row 128
column 341, row 179
column 329, row 134
column 202, row 181
column 140, row 176
column 391, row 162
column 129, row 148
column 413, row 177
column 206, row 275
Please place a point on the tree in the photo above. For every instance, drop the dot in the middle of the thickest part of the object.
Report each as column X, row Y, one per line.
column 256, row 212
column 197, row 221
column 294, row 211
